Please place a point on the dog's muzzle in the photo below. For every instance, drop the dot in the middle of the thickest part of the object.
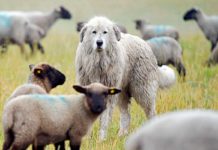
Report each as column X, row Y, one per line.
column 99, row 44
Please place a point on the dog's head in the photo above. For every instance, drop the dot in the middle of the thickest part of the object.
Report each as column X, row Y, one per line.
column 46, row 75
column 101, row 33
column 191, row 14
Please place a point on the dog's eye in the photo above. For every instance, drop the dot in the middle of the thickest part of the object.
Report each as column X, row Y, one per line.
column 105, row 32
column 94, row 32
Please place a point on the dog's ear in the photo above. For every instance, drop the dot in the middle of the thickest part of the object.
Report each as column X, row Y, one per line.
column 117, row 32
column 82, row 33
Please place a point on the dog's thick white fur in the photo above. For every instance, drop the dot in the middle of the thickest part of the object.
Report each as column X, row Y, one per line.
column 169, row 76
column 107, row 56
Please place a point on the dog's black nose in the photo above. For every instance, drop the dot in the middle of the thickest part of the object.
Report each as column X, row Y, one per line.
column 99, row 43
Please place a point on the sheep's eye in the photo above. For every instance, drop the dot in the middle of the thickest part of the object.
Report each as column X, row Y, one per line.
column 94, row 32
column 105, row 32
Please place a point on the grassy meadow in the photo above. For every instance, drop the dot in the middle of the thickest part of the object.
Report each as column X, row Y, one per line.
column 198, row 91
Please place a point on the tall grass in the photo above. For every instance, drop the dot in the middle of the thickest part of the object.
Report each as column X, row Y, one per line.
column 198, row 91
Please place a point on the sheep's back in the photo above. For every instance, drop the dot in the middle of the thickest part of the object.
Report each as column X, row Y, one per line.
column 180, row 130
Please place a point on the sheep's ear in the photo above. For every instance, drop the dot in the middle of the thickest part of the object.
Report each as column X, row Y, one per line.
column 38, row 72
column 31, row 66
column 113, row 91
column 80, row 89
column 117, row 32
column 82, row 34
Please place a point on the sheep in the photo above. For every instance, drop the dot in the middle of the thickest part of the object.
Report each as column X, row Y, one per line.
column 82, row 23
column 42, row 79
column 149, row 31
column 167, row 51
column 18, row 30
column 213, row 59
column 45, row 119
column 107, row 56
column 46, row 20
column 184, row 130
column 207, row 24
column 43, row 20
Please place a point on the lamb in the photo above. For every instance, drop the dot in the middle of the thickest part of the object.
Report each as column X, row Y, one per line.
column 207, row 24
column 42, row 79
column 213, row 59
column 43, row 20
column 184, row 130
column 18, row 30
column 149, row 31
column 45, row 119
column 82, row 23
column 107, row 56
column 168, row 51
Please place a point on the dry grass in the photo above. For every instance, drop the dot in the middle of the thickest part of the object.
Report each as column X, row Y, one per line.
column 198, row 91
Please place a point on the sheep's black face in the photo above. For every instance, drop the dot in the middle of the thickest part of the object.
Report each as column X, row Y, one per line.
column 96, row 102
column 47, row 72
column 96, row 96
column 55, row 77
column 190, row 14
column 138, row 24
column 65, row 14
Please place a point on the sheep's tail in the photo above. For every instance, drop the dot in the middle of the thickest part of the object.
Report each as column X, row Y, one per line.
column 8, row 123
column 167, row 77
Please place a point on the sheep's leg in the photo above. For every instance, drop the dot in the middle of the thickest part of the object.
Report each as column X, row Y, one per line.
column 23, row 51
column 40, row 47
column 21, row 141
column 9, row 138
column 213, row 45
column 75, row 141
column 32, row 47
column 4, row 47
column 123, row 104
column 105, row 119
column 19, row 147
column 61, row 145
column 181, row 69
column 35, row 147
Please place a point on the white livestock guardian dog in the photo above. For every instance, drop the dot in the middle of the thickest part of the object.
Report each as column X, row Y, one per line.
column 107, row 56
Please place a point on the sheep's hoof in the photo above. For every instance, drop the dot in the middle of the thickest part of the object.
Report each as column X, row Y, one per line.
column 122, row 132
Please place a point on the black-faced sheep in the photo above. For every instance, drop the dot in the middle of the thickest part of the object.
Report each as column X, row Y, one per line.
column 208, row 24
column 185, row 130
column 42, row 79
column 149, row 31
column 168, row 51
column 46, row 20
column 44, row 119
column 42, row 20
